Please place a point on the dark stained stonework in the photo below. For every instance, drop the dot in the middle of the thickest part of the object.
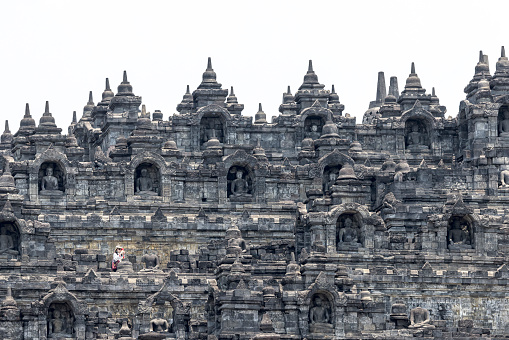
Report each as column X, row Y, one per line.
column 306, row 226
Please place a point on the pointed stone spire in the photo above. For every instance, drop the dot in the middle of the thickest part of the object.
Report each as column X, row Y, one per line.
column 333, row 98
column 413, row 82
column 125, row 88
column 9, row 300
column 87, row 109
column 380, row 88
column 209, row 77
column 260, row 116
column 434, row 98
column 107, row 93
column 144, row 122
column 502, row 65
column 330, row 129
column 393, row 87
column 47, row 119
column 6, row 137
column 186, row 105
column 380, row 95
column 266, row 325
column 7, row 184
column 310, row 79
column 74, row 119
column 27, row 111
column 482, row 66
column 259, row 152
column 7, row 208
column 232, row 99
column 144, row 112
column 287, row 97
column 27, row 124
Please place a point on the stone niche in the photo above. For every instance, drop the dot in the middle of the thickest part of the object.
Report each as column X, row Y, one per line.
column 503, row 121
column 240, row 184
column 211, row 126
column 9, row 241
column 51, row 179
column 460, row 233
column 329, row 177
column 60, row 321
column 321, row 320
column 147, row 180
column 416, row 135
column 313, row 127
column 348, row 230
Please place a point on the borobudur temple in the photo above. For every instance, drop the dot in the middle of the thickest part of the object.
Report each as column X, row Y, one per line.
column 215, row 225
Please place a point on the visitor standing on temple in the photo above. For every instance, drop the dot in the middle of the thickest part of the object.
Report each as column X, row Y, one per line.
column 118, row 256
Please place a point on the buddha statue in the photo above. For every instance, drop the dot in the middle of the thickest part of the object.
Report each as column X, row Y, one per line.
column 144, row 184
column 313, row 132
column 504, row 178
column 419, row 318
column 236, row 244
column 349, row 233
column 159, row 325
column 458, row 236
column 330, row 182
column 7, row 243
column 151, row 262
column 320, row 317
column 49, row 184
column 60, row 324
column 503, row 124
column 240, row 187
column 414, row 136
column 57, row 323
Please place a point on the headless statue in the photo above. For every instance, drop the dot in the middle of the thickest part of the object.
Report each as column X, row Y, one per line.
column 419, row 318
column 159, row 325
column 151, row 262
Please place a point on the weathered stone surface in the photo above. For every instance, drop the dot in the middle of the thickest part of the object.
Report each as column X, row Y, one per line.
column 399, row 224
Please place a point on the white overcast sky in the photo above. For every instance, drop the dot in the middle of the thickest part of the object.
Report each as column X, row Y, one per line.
column 60, row 50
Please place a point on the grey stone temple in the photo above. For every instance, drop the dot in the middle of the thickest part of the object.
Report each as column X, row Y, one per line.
column 308, row 225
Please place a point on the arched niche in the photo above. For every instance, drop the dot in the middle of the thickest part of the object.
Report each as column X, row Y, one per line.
column 329, row 177
column 321, row 313
column 212, row 124
column 348, row 230
column 417, row 134
column 460, row 232
column 147, row 179
column 71, row 315
column 10, row 240
column 503, row 121
column 240, row 183
column 60, row 321
column 163, row 306
column 51, row 179
column 313, row 125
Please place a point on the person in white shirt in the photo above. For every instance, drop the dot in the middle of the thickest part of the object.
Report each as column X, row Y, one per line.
column 118, row 256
